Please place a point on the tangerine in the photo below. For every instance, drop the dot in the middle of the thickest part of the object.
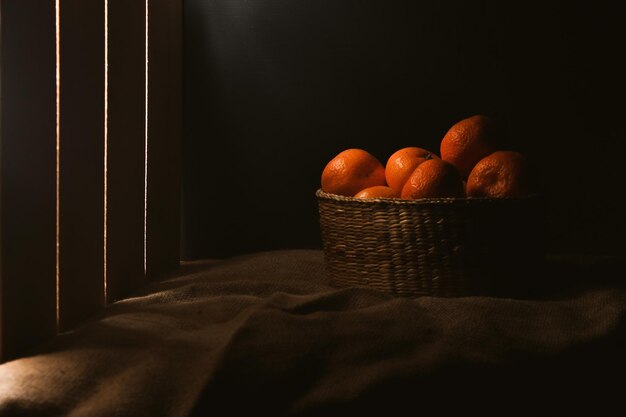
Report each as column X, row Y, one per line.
column 351, row 171
column 499, row 175
column 378, row 191
column 434, row 178
column 469, row 141
column 402, row 163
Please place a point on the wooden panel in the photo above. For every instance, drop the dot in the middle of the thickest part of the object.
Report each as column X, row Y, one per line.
column 126, row 144
column 164, row 135
column 81, row 261
column 27, row 175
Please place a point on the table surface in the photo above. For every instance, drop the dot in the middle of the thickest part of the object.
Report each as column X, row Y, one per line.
column 266, row 334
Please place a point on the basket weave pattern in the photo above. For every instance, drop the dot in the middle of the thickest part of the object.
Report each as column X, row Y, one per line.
column 440, row 247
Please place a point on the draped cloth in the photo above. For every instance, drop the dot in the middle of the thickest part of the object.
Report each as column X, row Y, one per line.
column 265, row 334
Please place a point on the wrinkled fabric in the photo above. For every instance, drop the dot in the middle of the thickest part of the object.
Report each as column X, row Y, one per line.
column 265, row 334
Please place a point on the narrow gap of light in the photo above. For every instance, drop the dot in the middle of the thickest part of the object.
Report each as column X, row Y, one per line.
column 58, row 150
column 106, row 137
column 145, row 175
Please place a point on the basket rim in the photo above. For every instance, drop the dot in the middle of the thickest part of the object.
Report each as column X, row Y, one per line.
column 323, row 195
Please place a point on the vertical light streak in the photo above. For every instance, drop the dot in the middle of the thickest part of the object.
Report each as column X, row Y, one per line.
column 106, row 136
column 145, row 179
column 57, row 8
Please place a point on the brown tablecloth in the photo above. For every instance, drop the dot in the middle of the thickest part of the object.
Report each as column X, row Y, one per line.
column 265, row 334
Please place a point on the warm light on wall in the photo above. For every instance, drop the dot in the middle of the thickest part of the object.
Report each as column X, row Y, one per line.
column 145, row 180
column 58, row 144
column 83, row 85
column 106, row 137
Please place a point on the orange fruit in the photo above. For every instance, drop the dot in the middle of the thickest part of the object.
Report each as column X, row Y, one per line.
column 378, row 191
column 434, row 178
column 469, row 141
column 499, row 175
column 402, row 163
column 351, row 171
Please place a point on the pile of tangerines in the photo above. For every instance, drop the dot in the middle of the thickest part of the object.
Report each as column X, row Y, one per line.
column 471, row 165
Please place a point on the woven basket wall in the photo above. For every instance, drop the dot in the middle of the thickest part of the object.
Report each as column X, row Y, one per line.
column 441, row 247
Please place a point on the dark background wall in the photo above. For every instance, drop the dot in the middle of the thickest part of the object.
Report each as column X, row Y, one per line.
column 275, row 88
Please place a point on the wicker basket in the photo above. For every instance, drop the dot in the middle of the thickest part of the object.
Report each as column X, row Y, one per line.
column 441, row 247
